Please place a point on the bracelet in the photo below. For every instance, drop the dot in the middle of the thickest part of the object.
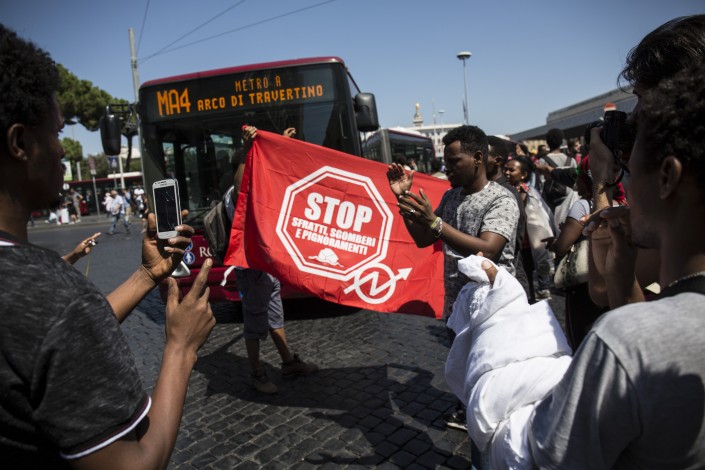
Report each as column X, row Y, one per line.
column 435, row 223
column 437, row 228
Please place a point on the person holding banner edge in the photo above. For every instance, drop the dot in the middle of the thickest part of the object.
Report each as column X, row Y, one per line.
column 260, row 292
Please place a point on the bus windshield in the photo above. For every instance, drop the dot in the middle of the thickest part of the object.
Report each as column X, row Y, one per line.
column 192, row 125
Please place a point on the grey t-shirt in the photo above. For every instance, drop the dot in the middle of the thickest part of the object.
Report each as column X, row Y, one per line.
column 560, row 159
column 492, row 209
column 634, row 395
column 67, row 378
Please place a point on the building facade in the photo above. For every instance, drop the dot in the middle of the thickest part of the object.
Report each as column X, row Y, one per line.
column 572, row 120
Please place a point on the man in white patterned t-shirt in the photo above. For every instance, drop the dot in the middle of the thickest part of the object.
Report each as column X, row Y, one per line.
column 475, row 215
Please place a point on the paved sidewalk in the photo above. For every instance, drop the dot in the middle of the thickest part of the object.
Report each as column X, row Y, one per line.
column 377, row 401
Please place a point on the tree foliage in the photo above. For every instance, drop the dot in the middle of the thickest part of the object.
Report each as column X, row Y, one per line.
column 102, row 166
column 80, row 101
column 73, row 149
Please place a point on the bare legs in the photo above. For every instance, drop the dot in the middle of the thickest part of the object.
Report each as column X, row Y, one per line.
column 278, row 337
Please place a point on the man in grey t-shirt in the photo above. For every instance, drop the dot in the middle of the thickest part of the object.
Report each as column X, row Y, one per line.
column 634, row 394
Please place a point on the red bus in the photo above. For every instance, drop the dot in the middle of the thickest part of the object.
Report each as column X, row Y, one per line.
column 191, row 130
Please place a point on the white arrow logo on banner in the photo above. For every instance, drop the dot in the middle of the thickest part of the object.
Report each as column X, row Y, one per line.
column 375, row 289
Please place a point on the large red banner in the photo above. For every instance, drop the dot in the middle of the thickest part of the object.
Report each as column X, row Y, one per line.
column 326, row 223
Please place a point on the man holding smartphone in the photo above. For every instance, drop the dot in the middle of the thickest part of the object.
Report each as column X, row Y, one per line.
column 70, row 394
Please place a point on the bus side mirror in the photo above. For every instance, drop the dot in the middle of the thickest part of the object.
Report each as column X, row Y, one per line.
column 110, row 133
column 366, row 112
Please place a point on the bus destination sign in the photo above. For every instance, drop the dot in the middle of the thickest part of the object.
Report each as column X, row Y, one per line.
column 227, row 93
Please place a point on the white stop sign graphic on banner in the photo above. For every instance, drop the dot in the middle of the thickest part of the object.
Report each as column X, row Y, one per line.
column 334, row 223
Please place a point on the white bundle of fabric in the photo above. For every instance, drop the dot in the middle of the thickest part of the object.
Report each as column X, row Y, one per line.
column 507, row 356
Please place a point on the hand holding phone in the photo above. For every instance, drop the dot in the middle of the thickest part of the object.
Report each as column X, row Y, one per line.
column 167, row 208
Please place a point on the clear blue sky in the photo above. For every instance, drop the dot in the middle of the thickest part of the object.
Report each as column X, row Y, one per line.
column 528, row 57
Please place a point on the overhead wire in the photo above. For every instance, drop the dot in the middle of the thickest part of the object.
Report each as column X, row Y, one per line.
column 256, row 23
column 194, row 29
column 144, row 19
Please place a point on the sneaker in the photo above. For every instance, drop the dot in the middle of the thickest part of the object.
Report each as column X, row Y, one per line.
column 262, row 383
column 456, row 419
column 297, row 367
column 543, row 294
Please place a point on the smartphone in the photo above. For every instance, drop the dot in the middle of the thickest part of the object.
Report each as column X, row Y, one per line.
column 167, row 208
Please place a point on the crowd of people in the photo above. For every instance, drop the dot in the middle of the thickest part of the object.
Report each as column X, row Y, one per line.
column 73, row 204
column 131, row 202
column 631, row 396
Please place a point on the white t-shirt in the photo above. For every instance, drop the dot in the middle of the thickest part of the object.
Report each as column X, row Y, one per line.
column 117, row 205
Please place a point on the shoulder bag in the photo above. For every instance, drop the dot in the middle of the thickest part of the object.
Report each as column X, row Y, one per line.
column 573, row 267
column 216, row 229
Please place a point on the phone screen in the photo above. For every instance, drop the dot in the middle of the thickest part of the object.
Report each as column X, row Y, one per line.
column 167, row 208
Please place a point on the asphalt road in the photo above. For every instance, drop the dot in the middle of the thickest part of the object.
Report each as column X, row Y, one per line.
column 377, row 401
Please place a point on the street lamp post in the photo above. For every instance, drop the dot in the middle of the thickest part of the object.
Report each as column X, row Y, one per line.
column 464, row 56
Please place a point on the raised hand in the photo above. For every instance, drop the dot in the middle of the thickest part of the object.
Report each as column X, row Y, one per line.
column 189, row 322
column 82, row 249
column 417, row 208
column 399, row 180
column 248, row 135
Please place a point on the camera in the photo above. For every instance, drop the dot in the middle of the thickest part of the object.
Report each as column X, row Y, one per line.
column 617, row 133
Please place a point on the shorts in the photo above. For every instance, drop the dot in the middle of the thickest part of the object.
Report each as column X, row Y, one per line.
column 262, row 308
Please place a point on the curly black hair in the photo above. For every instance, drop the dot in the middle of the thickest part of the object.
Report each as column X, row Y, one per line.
column 471, row 138
column 28, row 80
column 554, row 138
column 664, row 51
column 527, row 166
column 671, row 121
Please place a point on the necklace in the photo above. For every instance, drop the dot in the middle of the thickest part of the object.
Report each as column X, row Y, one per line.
column 689, row 276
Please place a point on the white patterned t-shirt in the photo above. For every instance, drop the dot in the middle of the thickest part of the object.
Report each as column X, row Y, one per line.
column 492, row 209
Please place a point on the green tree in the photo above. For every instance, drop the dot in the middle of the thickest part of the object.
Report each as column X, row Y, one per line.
column 102, row 168
column 135, row 165
column 73, row 149
column 81, row 102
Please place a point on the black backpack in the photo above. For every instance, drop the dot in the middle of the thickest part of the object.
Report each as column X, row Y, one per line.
column 553, row 192
column 216, row 227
